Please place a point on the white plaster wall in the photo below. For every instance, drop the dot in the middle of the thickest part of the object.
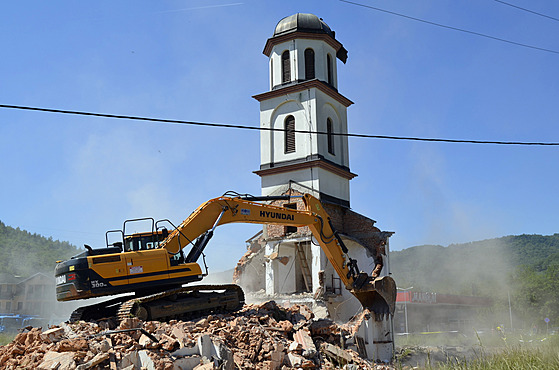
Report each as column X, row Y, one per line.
column 297, row 49
column 273, row 113
column 332, row 184
column 379, row 339
column 311, row 109
column 270, row 270
column 378, row 335
column 337, row 112
column 280, row 278
column 275, row 62
column 317, row 179
column 317, row 264
column 286, row 273
column 271, row 184
column 346, row 306
column 303, row 106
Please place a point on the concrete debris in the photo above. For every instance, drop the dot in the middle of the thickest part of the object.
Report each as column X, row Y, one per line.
column 264, row 336
column 55, row 360
column 303, row 338
column 53, row 335
column 338, row 355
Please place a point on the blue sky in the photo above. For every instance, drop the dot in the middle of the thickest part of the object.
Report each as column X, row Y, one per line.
column 73, row 177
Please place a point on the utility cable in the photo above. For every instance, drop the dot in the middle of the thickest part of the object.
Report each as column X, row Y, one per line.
column 224, row 125
column 527, row 10
column 451, row 28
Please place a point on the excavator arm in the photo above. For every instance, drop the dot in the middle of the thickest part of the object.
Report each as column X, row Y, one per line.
column 376, row 294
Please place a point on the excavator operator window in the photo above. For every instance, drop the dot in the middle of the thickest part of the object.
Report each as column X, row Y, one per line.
column 140, row 243
column 149, row 243
column 129, row 246
column 152, row 245
column 133, row 244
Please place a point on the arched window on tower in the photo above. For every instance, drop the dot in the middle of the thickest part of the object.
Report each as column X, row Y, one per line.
column 309, row 64
column 285, row 67
column 329, row 66
column 289, row 134
column 330, row 135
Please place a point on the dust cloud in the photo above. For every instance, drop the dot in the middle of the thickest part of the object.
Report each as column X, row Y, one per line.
column 463, row 299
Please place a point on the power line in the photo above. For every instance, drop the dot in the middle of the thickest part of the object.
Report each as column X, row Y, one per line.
column 225, row 125
column 527, row 10
column 452, row 28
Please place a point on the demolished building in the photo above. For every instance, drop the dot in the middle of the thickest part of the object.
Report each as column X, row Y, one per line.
column 283, row 262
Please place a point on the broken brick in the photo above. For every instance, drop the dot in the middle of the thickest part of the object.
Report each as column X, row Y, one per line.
column 263, row 336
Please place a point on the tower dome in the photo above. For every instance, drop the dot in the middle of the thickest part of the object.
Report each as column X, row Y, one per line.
column 305, row 25
column 304, row 22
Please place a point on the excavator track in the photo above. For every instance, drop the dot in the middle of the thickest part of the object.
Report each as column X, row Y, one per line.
column 184, row 301
column 131, row 307
column 174, row 303
column 98, row 311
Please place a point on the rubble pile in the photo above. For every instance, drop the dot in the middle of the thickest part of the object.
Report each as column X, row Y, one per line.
column 264, row 336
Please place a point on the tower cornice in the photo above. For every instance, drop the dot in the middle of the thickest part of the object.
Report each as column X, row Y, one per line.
column 302, row 165
column 302, row 86
column 341, row 52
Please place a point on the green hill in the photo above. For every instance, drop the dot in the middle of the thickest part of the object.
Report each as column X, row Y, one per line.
column 24, row 254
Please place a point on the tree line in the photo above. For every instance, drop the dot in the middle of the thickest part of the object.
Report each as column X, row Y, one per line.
column 24, row 254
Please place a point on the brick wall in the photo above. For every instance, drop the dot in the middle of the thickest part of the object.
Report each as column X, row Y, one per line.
column 279, row 231
column 344, row 220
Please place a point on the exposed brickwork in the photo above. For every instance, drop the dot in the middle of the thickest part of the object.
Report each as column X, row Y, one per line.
column 279, row 231
column 346, row 222
column 363, row 230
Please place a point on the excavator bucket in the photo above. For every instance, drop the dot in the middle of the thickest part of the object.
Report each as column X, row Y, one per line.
column 378, row 295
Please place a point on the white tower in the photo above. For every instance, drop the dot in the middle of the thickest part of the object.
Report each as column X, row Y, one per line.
column 304, row 97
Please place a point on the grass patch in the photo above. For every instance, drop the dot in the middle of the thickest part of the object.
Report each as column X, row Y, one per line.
column 500, row 353
column 6, row 338
column 511, row 357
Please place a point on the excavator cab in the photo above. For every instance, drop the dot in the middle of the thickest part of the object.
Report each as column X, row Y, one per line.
column 144, row 241
column 138, row 241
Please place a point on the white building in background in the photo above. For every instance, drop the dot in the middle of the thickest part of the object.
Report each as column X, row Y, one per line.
column 282, row 262
column 30, row 301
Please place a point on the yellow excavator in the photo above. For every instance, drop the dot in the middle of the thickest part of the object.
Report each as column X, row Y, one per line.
column 154, row 267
